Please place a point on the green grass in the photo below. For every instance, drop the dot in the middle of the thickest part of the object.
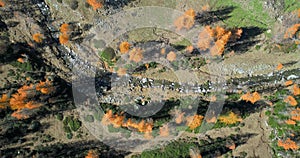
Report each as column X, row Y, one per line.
column 291, row 5
column 108, row 55
column 233, row 97
column 280, row 130
column 71, row 124
column 253, row 15
column 24, row 67
column 174, row 149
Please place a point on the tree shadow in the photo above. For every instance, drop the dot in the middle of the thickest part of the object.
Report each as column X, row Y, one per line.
column 3, row 26
column 247, row 40
column 76, row 149
column 220, row 146
column 79, row 149
column 13, row 131
column 244, row 108
column 210, row 17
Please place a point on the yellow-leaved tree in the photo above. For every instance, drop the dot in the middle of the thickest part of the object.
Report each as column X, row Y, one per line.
column 231, row 118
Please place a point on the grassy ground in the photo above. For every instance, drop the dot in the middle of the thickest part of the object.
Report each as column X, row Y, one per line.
column 245, row 15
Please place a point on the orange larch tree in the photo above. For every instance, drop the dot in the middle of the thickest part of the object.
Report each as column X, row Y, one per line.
column 288, row 144
column 37, row 37
column 291, row 100
column 171, row 56
column 205, row 38
column 296, row 114
column 136, row 55
column 92, row 154
column 95, row 4
column 189, row 49
column 2, row 4
column 232, row 118
column 290, row 122
column 254, row 97
column 163, row 51
column 194, row 153
column 179, row 117
column 63, row 38
column 288, row 83
column 124, row 47
column 19, row 114
column 64, row 28
column 186, row 21
column 194, row 121
column 291, row 31
column 218, row 35
column 45, row 87
column 121, row 71
column 21, row 60
column 211, row 120
column 65, row 31
column 4, row 101
column 279, row 66
column 21, row 101
column 296, row 90
column 164, row 131
column 119, row 121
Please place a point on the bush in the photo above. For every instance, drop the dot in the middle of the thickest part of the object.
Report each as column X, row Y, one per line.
column 75, row 124
column 69, row 135
column 59, row 116
column 74, row 5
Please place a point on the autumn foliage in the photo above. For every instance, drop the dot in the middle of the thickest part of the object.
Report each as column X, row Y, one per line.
column 279, row 66
column 211, row 120
column 290, row 122
column 95, row 4
column 291, row 31
column 121, row 72
column 254, row 97
column 92, row 154
column 205, row 38
column 3, row 101
column 119, row 121
column 290, row 100
column 232, row 118
column 218, row 35
column 189, row 49
column 296, row 114
column 37, row 37
column 296, row 90
column 21, row 100
column 20, row 60
column 163, row 51
column 44, row 87
column 171, row 56
column 136, row 55
column 194, row 121
column 2, row 4
column 64, row 36
column 64, row 28
column 110, row 118
column 288, row 144
column 179, row 117
column 288, row 83
column 164, row 131
column 186, row 21
column 124, row 47
column 194, row 153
